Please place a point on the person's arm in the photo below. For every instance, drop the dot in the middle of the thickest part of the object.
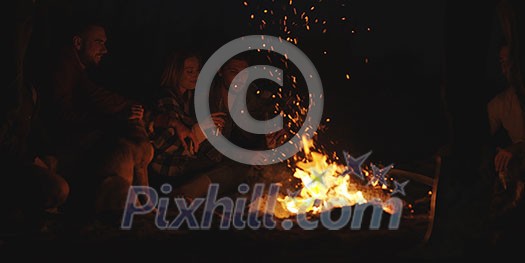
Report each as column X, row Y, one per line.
column 76, row 97
column 60, row 91
column 169, row 112
column 493, row 112
column 503, row 155
column 105, row 101
column 170, row 115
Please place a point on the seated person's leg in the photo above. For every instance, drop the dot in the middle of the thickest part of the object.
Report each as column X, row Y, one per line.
column 27, row 193
column 111, row 195
column 55, row 191
column 228, row 175
column 177, row 170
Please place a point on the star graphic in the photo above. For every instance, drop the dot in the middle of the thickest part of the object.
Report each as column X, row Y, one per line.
column 293, row 194
column 317, row 177
column 399, row 187
column 379, row 174
column 354, row 164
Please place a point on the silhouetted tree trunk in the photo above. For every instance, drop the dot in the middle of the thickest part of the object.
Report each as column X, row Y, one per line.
column 15, row 97
column 464, row 184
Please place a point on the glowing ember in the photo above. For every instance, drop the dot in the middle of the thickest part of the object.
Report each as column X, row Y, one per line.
column 323, row 184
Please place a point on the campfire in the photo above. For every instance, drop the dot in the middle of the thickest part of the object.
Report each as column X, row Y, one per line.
column 323, row 184
column 319, row 181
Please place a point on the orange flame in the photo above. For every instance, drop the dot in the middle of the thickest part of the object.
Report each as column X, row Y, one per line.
column 324, row 186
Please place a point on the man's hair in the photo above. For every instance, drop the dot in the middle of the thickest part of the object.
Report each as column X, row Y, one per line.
column 244, row 56
column 81, row 26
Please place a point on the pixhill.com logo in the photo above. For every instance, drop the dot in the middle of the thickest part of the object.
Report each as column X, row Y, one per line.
column 233, row 213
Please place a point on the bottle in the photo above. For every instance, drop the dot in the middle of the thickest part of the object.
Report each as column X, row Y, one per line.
column 220, row 107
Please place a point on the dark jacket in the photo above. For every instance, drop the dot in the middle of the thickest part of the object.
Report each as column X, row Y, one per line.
column 73, row 106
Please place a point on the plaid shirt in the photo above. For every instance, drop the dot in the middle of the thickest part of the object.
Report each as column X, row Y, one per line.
column 169, row 159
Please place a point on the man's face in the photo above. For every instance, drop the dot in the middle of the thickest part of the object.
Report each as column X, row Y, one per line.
column 91, row 46
column 230, row 71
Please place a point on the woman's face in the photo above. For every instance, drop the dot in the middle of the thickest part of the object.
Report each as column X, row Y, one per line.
column 190, row 73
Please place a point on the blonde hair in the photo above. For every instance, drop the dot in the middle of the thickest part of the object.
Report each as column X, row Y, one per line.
column 172, row 72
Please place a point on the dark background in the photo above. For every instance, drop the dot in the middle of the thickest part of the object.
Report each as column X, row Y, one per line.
column 392, row 105
column 431, row 69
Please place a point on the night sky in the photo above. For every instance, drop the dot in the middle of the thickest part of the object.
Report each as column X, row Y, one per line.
column 391, row 50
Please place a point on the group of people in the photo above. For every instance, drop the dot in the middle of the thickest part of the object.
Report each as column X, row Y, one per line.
column 183, row 155
column 90, row 144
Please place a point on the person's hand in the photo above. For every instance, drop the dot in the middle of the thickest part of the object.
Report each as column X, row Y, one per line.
column 259, row 160
column 216, row 119
column 183, row 132
column 137, row 112
column 275, row 139
column 47, row 162
column 501, row 161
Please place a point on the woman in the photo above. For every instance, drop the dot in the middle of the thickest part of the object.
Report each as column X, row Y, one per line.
column 183, row 156
column 174, row 131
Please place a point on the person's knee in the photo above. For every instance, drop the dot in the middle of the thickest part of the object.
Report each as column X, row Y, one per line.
column 197, row 187
column 58, row 191
column 46, row 190
column 149, row 152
